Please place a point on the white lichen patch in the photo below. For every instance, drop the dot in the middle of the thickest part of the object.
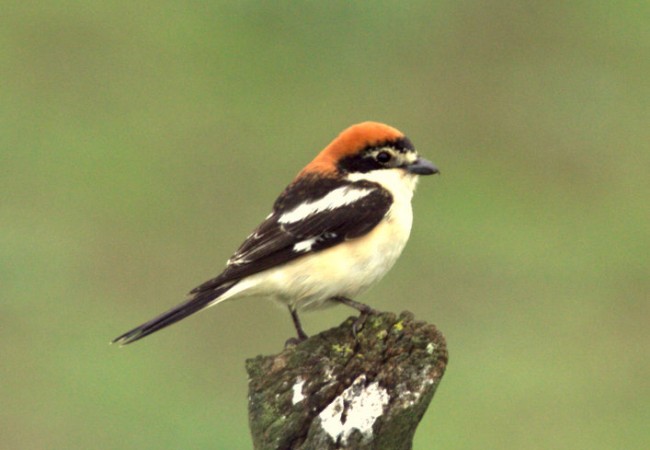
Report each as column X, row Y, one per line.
column 357, row 408
column 409, row 397
column 298, row 396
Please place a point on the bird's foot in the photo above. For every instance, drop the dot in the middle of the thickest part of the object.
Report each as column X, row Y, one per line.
column 364, row 312
column 293, row 341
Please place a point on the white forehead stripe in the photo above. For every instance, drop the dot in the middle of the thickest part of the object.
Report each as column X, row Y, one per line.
column 338, row 197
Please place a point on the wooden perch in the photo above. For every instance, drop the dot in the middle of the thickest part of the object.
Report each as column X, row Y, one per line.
column 335, row 391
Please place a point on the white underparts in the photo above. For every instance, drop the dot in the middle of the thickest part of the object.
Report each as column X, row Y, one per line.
column 347, row 269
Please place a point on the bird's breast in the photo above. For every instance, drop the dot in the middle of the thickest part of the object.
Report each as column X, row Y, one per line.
column 346, row 269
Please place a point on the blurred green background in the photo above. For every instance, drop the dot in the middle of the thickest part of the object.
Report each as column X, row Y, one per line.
column 141, row 141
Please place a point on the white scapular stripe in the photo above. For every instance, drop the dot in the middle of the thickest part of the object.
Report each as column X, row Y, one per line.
column 338, row 197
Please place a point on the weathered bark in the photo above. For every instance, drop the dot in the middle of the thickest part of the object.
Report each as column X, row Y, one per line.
column 335, row 391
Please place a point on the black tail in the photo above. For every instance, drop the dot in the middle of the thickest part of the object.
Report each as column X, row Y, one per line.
column 188, row 307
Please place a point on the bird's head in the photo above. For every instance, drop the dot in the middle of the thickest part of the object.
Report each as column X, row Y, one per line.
column 369, row 147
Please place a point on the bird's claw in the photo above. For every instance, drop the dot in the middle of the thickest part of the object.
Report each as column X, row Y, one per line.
column 358, row 324
column 293, row 341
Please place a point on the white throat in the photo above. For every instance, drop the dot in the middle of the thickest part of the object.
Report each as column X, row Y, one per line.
column 400, row 183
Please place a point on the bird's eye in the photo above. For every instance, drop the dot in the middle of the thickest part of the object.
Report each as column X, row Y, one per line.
column 383, row 157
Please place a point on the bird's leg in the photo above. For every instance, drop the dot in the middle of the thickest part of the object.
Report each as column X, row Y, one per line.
column 364, row 311
column 361, row 307
column 296, row 322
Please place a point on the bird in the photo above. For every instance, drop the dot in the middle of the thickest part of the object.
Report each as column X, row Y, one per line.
column 334, row 231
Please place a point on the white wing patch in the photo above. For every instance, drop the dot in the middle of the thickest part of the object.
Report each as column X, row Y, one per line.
column 338, row 197
column 308, row 244
column 305, row 246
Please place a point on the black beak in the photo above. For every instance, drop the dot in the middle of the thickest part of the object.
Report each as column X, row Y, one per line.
column 422, row 167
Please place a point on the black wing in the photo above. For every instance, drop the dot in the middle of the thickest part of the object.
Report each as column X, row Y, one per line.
column 274, row 242
column 279, row 240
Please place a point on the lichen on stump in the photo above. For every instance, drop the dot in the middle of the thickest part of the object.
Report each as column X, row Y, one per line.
column 338, row 391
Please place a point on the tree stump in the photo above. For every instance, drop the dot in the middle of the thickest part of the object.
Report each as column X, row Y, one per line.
column 340, row 391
